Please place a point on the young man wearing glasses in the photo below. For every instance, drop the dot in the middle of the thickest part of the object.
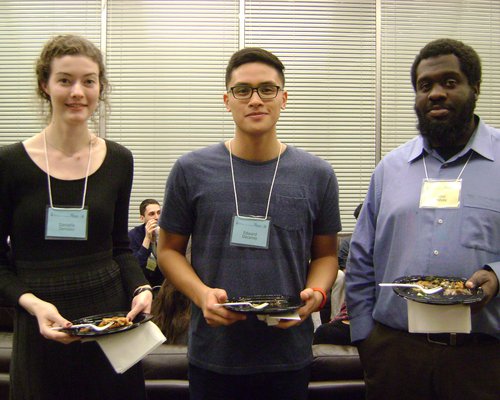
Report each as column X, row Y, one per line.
column 264, row 218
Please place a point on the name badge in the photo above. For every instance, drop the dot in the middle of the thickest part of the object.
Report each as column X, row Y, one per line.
column 151, row 264
column 440, row 193
column 250, row 232
column 66, row 224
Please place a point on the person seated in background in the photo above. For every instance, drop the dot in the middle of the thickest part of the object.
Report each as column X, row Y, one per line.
column 143, row 240
column 171, row 312
column 346, row 241
column 337, row 330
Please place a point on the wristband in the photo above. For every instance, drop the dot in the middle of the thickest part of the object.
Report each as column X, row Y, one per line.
column 323, row 302
column 141, row 289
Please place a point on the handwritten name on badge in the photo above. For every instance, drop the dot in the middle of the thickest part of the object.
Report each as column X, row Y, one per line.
column 250, row 232
column 66, row 224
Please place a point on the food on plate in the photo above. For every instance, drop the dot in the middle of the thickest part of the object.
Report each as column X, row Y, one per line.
column 450, row 287
column 117, row 322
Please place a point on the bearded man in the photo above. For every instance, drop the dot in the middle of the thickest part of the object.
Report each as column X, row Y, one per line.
column 432, row 209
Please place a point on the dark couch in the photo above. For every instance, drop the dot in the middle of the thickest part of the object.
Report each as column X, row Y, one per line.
column 336, row 371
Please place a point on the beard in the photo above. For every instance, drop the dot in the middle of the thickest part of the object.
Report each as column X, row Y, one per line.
column 451, row 131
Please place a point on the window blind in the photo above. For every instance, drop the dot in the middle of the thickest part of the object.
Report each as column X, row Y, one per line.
column 328, row 48
column 407, row 26
column 25, row 26
column 166, row 62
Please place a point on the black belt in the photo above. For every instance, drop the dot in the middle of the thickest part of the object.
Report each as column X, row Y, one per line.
column 459, row 339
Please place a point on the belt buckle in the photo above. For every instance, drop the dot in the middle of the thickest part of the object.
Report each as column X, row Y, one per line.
column 452, row 340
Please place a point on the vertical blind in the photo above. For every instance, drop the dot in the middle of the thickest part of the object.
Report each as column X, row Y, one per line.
column 24, row 27
column 328, row 48
column 406, row 27
column 166, row 61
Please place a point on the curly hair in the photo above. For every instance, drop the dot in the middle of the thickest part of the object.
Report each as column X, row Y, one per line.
column 470, row 63
column 68, row 45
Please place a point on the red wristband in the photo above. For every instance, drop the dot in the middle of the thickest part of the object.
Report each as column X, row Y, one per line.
column 323, row 302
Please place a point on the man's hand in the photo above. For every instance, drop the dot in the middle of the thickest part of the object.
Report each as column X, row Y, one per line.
column 312, row 301
column 488, row 280
column 151, row 229
column 217, row 315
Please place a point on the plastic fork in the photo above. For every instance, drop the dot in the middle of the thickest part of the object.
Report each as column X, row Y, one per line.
column 244, row 303
column 95, row 328
column 414, row 285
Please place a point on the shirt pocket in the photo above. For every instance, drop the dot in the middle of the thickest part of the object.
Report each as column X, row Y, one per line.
column 480, row 225
column 289, row 213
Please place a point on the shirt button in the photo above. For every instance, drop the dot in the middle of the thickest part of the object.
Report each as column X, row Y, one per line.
column 435, row 252
column 440, row 221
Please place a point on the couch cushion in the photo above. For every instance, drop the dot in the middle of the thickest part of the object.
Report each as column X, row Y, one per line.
column 335, row 363
column 5, row 351
column 166, row 361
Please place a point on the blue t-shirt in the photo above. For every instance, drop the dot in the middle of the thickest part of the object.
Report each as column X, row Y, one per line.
column 199, row 201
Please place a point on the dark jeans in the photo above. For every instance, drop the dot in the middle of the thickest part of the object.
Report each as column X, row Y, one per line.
column 401, row 365
column 288, row 385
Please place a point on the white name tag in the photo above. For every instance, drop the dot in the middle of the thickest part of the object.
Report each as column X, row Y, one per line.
column 250, row 232
column 66, row 224
column 440, row 193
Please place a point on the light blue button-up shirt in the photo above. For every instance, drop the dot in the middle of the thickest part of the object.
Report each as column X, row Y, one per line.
column 395, row 238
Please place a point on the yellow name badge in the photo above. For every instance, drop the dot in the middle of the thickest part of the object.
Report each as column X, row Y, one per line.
column 440, row 193
column 151, row 264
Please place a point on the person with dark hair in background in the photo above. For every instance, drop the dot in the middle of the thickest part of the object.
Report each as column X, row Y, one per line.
column 143, row 240
column 432, row 208
column 64, row 202
column 346, row 241
column 264, row 219
column 172, row 312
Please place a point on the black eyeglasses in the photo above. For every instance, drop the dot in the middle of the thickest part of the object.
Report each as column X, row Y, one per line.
column 265, row 92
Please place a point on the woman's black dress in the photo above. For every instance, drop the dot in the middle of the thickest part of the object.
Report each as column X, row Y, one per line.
column 80, row 277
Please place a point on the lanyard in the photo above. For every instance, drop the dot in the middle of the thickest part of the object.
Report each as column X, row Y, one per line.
column 459, row 175
column 234, row 183
column 48, row 175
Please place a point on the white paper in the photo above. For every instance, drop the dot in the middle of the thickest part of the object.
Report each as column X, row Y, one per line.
column 432, row 318
column 274, row 319
column 125, row 349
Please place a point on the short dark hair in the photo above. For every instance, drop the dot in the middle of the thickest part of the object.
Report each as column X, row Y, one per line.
column 470, row 63
column 254, row 54
column 145, row 204
column 357, row 210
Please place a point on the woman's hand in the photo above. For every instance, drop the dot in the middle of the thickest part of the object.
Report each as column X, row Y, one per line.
column 48, row 317
column 141, row 303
